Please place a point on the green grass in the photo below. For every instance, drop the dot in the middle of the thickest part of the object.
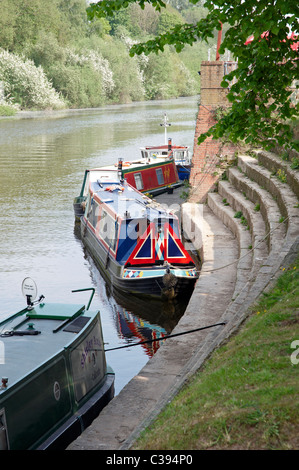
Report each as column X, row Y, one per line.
column 6, row 110
column 246, row 394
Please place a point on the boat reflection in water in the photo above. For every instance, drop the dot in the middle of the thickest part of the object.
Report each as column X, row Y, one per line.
column 137, row 320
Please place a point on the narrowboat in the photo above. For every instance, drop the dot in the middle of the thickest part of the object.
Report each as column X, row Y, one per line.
column 135, row 241
column 178, row 153
column 152, row 175
column 55, row 379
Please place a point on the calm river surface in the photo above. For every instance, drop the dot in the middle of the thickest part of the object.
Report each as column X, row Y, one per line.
column 42, row 161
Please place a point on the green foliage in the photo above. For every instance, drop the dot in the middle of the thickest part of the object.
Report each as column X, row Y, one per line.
column 7, row 25
column 6, row 110
column 167, row 19
column 295, row 163
column 128, row 84
column 267, row 67
column 80, row 86
column 167, row 76
column 88, row 62
column 281, row 175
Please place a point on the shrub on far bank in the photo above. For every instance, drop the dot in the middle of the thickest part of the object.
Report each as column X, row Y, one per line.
column 26, row 83
column 7, row 110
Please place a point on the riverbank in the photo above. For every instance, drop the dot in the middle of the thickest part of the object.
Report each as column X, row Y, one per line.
column 60, row 113
column 245, row 395
column 243, row 254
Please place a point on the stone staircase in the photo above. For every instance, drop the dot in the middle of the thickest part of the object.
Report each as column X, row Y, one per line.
column 259, row 203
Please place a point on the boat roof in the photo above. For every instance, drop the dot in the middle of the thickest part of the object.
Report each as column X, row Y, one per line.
column 59, row 325
column 123, row 199
column 164, row 147
column 136, row 164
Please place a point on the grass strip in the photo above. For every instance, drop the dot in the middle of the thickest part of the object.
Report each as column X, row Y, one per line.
column 246, row 395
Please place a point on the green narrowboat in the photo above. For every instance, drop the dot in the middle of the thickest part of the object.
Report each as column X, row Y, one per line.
column 54, row 376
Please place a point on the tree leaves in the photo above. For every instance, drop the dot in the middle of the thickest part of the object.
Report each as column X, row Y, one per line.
column 267, row 66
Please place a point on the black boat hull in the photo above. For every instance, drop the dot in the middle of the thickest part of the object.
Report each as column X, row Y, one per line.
column 82, row 419
column 144, row 286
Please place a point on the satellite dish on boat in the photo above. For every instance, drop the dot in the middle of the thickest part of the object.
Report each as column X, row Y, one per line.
column 29, row 290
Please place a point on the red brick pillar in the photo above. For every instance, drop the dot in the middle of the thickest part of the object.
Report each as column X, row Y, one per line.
column 204, row 173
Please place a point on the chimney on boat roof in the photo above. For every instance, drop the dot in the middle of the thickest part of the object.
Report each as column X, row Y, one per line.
column 120, row 169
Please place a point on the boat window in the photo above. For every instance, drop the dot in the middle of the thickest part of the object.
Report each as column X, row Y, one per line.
column 138, row 181
column 136, row 228
column 108, row 229
column 160, row 176
column 93, row 213
column 3, row 431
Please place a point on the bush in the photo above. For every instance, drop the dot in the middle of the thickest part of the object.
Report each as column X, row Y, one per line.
column 159, row 76
column 83, row 77
column 98, row 64
column 127, row 76
column 80, row 86
column 26, row 83
column 6, row 110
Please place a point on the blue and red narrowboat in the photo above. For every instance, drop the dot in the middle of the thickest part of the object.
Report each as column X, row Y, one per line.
column 135, row 242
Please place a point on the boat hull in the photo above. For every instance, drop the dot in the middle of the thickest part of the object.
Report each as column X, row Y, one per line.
column 141, row 281
column 184, row 171
column 58, row 379
column 75, row 425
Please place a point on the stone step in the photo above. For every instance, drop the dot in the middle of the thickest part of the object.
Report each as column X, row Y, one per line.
column 274, row 163
column 243, row 240
column 239, row 203
column 219, row 253
column 268, row 206
column 286, row 199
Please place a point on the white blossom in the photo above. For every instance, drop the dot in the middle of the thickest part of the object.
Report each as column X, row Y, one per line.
column 97, row 61
column 21, row 78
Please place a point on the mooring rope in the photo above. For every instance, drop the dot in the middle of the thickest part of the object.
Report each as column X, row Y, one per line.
column 165, row 337
column 246, row 254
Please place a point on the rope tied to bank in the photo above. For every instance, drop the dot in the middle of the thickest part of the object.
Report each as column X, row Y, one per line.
column 249, row 251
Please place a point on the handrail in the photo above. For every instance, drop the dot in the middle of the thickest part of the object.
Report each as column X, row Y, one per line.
column 91, row 297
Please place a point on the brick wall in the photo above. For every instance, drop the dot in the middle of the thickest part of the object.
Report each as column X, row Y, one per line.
column 204, row 173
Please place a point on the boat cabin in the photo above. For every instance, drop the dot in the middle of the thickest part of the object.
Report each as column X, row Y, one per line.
column 133, row 229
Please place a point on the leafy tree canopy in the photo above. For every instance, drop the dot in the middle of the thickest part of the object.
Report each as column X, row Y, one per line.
column 261, row 103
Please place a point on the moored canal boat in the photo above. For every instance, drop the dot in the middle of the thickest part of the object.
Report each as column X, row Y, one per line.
column 135, row 241
column 152, row 175
column 55, row 379
column 180, row 154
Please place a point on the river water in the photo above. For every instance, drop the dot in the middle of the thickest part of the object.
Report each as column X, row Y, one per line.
column 42, row 161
